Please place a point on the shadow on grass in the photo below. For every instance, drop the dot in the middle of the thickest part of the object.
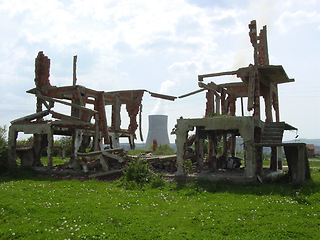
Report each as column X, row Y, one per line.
column 190, row 187
column 22, row 173
column 280, row 187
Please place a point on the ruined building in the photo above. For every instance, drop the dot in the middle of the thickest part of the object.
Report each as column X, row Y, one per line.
column 87, row 121
column 259, row 79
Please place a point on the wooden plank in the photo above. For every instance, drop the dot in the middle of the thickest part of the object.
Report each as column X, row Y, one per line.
column 104, row 174
column 110, row 155
column 65, row 103
column 102, row 118
column 31, row 117
column 162, row 96
column 205, row 86
column 201, row 77
column 74, row 70
column 251, row 90
column 95, row 153
column 103, row 163
column 66, row 117
column 140, row 123
column 191, row 93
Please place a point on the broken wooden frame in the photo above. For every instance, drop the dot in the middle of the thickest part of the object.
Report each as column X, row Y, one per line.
column 257, row 80
column 87, row 119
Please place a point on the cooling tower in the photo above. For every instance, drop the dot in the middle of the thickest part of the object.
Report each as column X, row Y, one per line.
column 158, row 129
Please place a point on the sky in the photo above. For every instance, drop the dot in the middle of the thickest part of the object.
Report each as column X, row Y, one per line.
column 161, row 46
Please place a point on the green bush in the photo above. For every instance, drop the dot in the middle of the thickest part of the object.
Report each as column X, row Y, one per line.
column 189, row 166
column 137, row 151
column 138, row 171
column 138, row 174
column 3, row 149
column 164, row 149
column 157, row 181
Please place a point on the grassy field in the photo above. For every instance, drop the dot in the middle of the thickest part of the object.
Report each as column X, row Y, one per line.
column 33, row 208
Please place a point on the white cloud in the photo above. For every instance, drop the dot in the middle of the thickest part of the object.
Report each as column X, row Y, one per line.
column 158, row 45
column 292, row 19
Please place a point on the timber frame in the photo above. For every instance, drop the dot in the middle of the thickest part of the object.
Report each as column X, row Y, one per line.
column 87, row 119
column 257, row 80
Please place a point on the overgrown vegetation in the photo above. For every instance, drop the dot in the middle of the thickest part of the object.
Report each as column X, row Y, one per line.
column 139, row 175
column 164, row 149
column 50, row 209
column 3, row 149
column 142, row 206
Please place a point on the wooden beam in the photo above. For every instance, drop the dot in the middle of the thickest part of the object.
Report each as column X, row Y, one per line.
column 63, row 102
column 201, row 77
column 162, row 96
column 31, row 117
column 191, row 93
column 74, row 70
column 68, row 118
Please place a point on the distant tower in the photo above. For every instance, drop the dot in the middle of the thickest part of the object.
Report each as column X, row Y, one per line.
column 158, row 129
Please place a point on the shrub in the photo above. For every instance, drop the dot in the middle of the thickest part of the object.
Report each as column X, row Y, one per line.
column 138, row 171
column 138, row 174
column 3, row 149
column 157, row 181
column 189, row 166
column 137, row 151
column 164, row 149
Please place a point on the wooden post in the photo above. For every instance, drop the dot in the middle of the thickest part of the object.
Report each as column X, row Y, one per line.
column 199, row 147
column 116, row 120
column 242, row 111
column 96, row 133
column 12, row 142
column 50, row 148
column 74, row 70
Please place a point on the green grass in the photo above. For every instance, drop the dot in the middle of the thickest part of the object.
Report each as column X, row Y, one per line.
column 55, row 161
column 51, row 209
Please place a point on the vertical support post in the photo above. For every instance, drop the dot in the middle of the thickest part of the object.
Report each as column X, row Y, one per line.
column 199, row 147
column 268, row 104
column 232, row 101
column 225, row 146
column 279, row 157
column 242, row 110
column 181, row 133
column 214, row 151
column 50, row 148
column 278, row 150
column 273, row 160
column 102, row 120
column 258, row 151
column 74, row 70
column 251, row 90
column 218, row 104
column 250, row 159
column 250, row 169
column 96, row 133
column 211, row 152
column 209, row 103
column 12, row 143
column 116, row 120
column 259, row 159
column 37, row 144
column 256, row 112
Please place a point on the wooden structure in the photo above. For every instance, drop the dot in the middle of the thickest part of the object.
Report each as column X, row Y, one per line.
column 258, row 80
column 87, row 121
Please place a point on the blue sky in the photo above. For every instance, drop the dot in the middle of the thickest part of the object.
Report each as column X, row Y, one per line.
column 161, row 46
